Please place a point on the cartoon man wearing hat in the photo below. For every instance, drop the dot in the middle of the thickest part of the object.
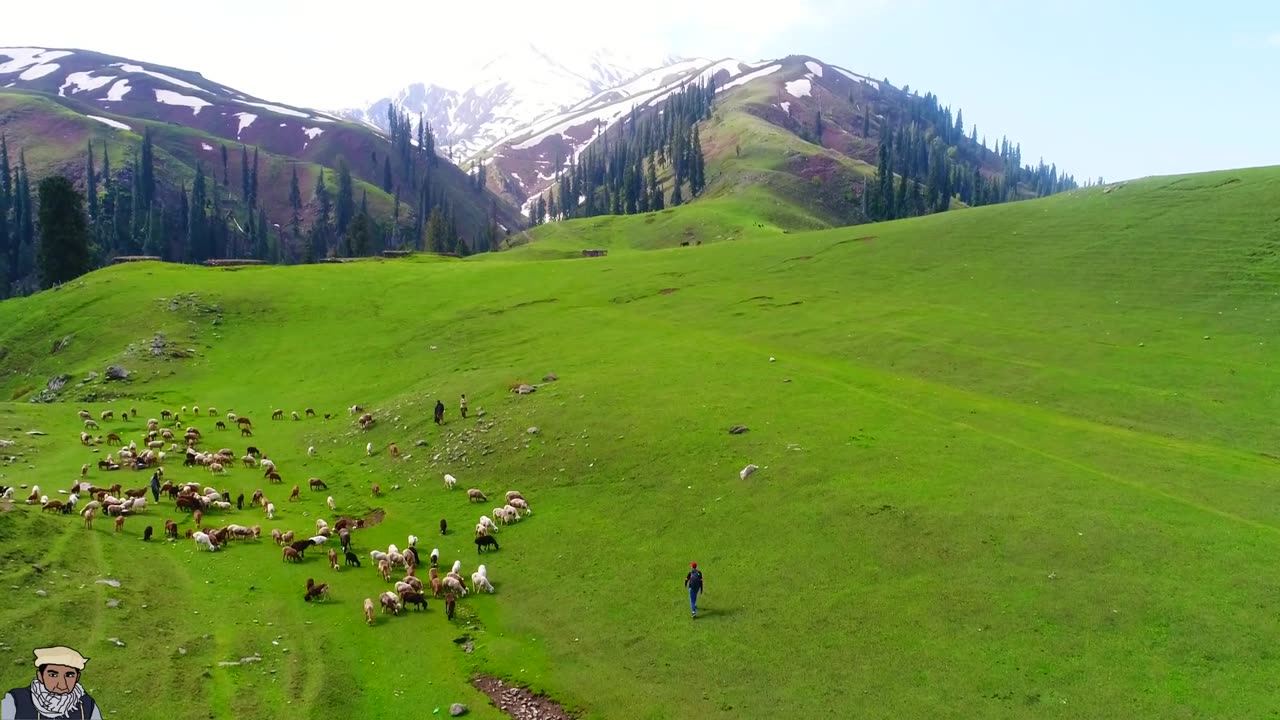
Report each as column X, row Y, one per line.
column 56, row 691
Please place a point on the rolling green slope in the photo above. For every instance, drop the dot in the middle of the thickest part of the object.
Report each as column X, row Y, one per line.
column 1015, row 461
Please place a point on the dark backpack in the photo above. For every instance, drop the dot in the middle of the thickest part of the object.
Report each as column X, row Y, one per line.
column 695, row 578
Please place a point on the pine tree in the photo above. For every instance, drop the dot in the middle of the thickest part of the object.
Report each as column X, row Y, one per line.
column 359, row 235
column 386, row 174
column 324, row 213
column 64, row 232
column 244, row 174
column 817, row 129
column 26, row 226
column 197, row 223
column 437, row 233
column 226, row 181
column 253, row 181
column 6, row 195
column 295, row 205
column 345, row 208
column 147, row 177
column 91, row 184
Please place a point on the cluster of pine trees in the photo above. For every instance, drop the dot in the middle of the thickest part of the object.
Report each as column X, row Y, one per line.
column 927, row 160
column 17, row 227
column 619, row 173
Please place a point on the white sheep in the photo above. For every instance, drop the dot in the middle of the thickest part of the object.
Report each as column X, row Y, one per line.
column 368, row 449
column 355, row 409
column 480, row 581
column 202, row 540
column 332, row 505
column 321, row 524
column 488, row 522
column 513, row 515
column 522, row 505
column 449, row 481
column 457, row 568
column 481, row 530
column 319, row 539
column 747, row 471
column 403, row 587
column 513, row 494
column 271, row 511
column 268, row 464
column 140, row 504
column 231, row 417
column 435, row 557
column 378, row 556
column 454, row 584
column 413, row 541
column 222, row 504
column 311, row 451
column 294, row 414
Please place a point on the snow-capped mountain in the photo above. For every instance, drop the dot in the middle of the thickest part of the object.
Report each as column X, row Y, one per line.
column 472, row 113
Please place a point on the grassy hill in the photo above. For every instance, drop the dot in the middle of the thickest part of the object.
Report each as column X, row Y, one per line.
column 1016, row 461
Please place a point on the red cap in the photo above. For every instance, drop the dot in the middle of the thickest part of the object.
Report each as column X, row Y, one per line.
column 693, row 565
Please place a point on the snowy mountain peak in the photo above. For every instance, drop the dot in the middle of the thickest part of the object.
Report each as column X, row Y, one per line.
column 520, row 86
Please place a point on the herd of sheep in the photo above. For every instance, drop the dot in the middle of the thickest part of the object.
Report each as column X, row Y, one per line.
column 117, row 502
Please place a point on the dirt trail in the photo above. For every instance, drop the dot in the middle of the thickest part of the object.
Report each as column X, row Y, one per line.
column 518, row 702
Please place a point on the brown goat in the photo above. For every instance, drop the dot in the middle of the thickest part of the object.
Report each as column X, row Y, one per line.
column 333, row 558
column 395, row 451
column 368, row 610
column 119, row 523
column 296, row 494
column 171, row 529
column 377, row 491
column 273, row 476
column 291, row 554
column 114, row 439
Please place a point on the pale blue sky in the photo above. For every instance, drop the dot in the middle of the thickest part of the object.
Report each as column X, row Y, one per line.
column 1121, row 89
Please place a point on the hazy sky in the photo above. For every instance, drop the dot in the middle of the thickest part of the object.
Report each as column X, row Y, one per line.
column 1118, row 88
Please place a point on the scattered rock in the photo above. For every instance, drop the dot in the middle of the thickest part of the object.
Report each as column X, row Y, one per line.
column 57, row 382
column 61, row 344
column 738, row 429
column 42, row 593
column 525, row 389
column 109, row 581
column 480, row 414
column 532, row 431
column 182, row 651
column 116, row 372
column 421, row 443
column 228, row 663
column 91, row 376
column 747, row 471
column 251, row 659
column 773, row 360
column 117, row 641
column 6, row 443
column 550, row 377
column 113, row 603
column 457, row 709
column 519, row 703
column 35, row 433
column 157, row 345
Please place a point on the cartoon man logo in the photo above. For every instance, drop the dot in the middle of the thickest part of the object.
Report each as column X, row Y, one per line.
column 56, row 691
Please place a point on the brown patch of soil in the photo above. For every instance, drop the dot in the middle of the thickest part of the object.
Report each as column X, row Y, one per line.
column 667, row 291
column 374, row 517
column 520, row 703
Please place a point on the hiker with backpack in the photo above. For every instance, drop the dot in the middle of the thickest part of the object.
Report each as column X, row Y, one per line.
column 693, row 581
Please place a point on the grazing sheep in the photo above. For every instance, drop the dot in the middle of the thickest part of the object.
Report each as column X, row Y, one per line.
column 119, row 523
column 249, row 461
column 396, row 559
column 457, row 568
column 220, row 425
column 106, row 415
column 86, row 438
column 276, row 535
column 377, row 490
column 352, row 560
column 274, row 477
column 481, row 530
column 414, row 582
column 316, row 592
column 311, row 451
column 413, row 541
column 485, row 542
column 474, row 495
column 384, row 568
column 294, row 415
column 195, row 409
column 84, row 470
column 319, row 539
column 444, row 526
column 333, row 558
column 368, row 611
column 88, row 514
column 344, row 537
column 146, row 534
column 296, row 494
column 390, row 602
column 480, row 582
column 455, row 585
column 212, row 412
column 513, row 515
column 435, row 557
column 277, row 415
column 488, row 523
column 436, row 586
column 216, row 468
column 354, row 409
column 402, row 588
column 84, row 415
column 450, row 605
column 256, row 499
column 271, row 511
column 240, row 501
column 321, row 524
column 414, row 598
column 91, row 425
column 501, row 514
column 520, row 504
column 377, row 556
column 332, row 505
column 449, row 481
column 395, row 451
column 202, row 540
column 287, row 538
column 366, row 421
column 171, row 529
column 513, row 494
column 114, row 439
column 55, row 505
column 368, row 449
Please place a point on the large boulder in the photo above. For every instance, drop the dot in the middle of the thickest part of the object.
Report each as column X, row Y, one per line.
column 57, row 382
column 457, row 709
column 115, row 372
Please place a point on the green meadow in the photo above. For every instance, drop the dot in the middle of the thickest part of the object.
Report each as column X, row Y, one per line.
column 1017, row 461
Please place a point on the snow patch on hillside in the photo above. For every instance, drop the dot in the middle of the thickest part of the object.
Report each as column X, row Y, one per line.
column 858, row 78
column 814, row 67
column 749, row 77
column 799, row 88
column 159, row 76
column 23, row 58
column 39, row 71
column 206, row 146
column 246, row 119
column 169, row 97
column 108, row 121
column 82, row 81
column 119, row 90
column 312, row 133
column 786, row 107
column 275, row 108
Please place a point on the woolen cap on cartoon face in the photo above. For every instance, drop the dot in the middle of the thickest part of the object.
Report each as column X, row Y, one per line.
column 60, row 655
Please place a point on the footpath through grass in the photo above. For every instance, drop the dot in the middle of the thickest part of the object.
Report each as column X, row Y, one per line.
column 1016, row 461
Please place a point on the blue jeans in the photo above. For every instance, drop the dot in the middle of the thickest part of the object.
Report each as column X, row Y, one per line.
column 693, row 599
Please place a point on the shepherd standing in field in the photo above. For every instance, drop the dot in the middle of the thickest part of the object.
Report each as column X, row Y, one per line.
column 463, row 406
column 155, row 485
column 439, row 412
column 693, row 581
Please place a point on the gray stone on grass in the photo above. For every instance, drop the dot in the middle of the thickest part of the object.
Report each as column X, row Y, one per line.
column 457, row 709
column 116, row 372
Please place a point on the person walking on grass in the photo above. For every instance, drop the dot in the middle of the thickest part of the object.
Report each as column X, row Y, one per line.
column 463, row 406
column 693, row 581
column 439, row 412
